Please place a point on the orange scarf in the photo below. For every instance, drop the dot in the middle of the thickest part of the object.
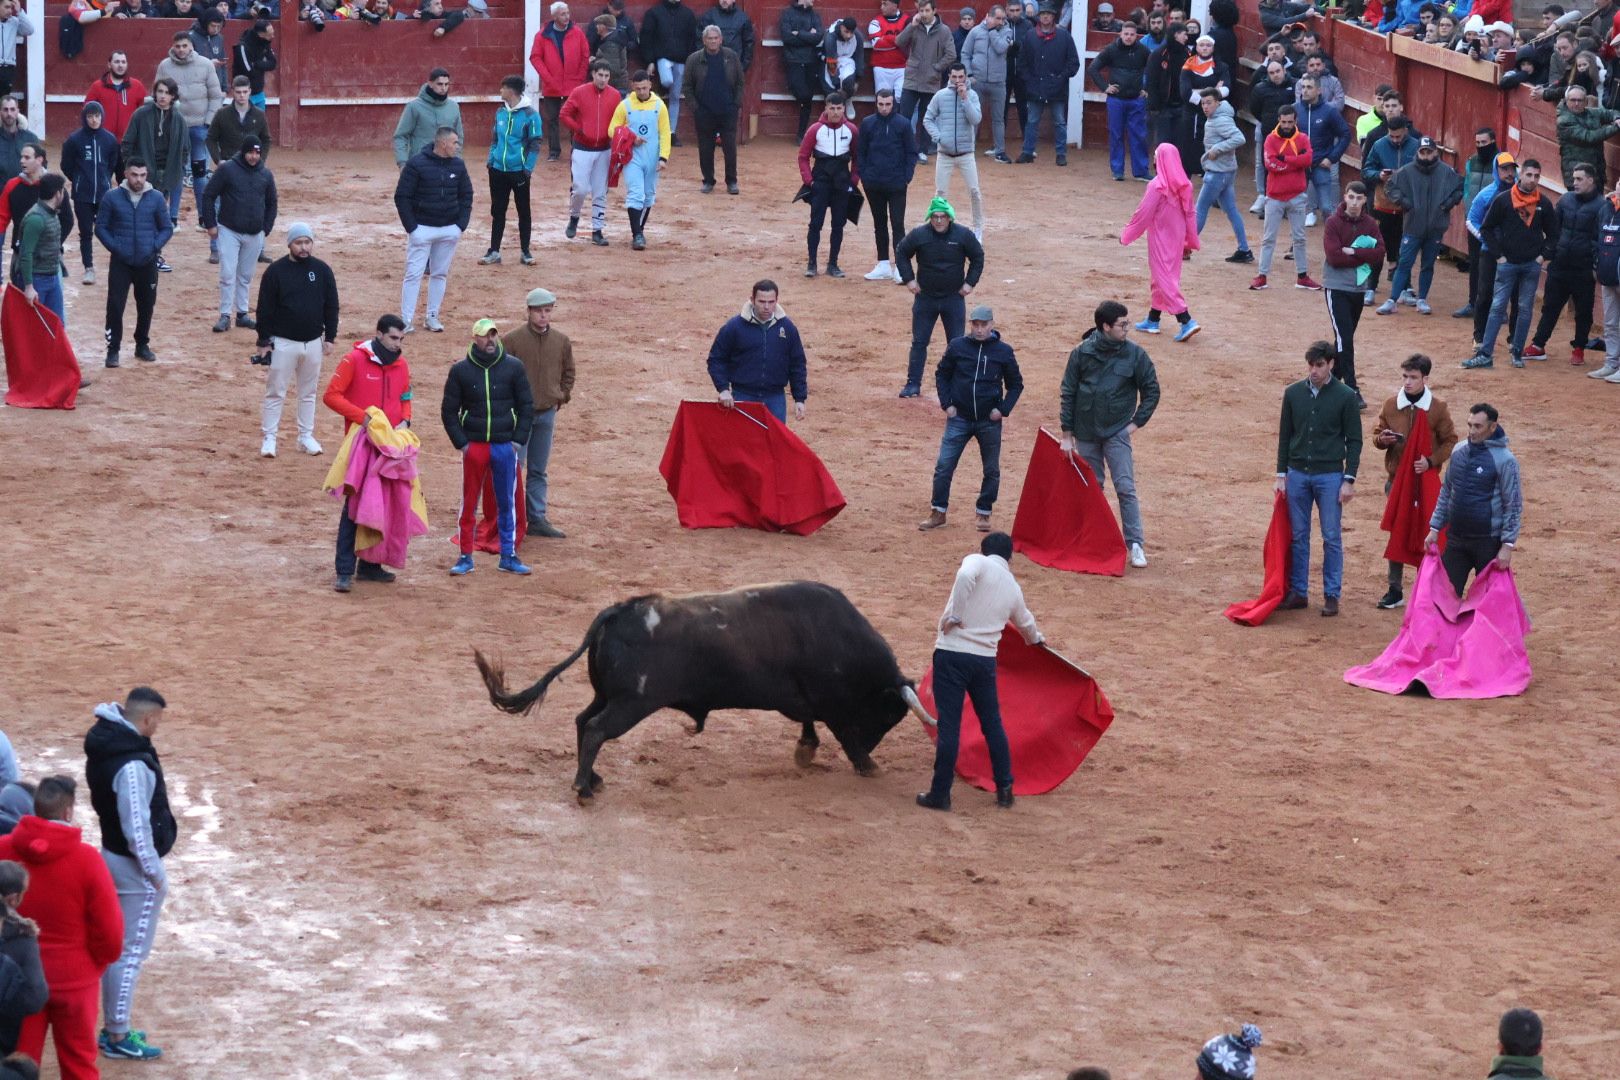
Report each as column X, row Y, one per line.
column 1199, row 65
column 1525, row 204
column 1290, row 143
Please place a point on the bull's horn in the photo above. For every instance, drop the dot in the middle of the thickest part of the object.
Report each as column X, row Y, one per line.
column 915, row 704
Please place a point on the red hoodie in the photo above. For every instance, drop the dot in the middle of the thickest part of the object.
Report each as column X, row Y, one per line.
column 71, row 896
column 1287, row 161
column 361, row 381
column 117, row 106
column 587, row 113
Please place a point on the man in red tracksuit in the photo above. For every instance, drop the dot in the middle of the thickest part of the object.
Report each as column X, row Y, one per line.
column 373, row 373
column 586, row 114
column 81, row 927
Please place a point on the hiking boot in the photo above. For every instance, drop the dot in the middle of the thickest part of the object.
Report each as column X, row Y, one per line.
column 1330, row 607
column 1188, row 329
column 223, row 324
column 464, row 566
column 144, row 352
column 1258, row 283
column 1293, row 602
column 1477, row 361
column 344, row 583
column 573, row 228
column 935, row 520
column 980, row 522
column 513, row 565
column 1148, row 326
column 911, row 390
column 929, row 802
column 1004, row 797
column 491, row 258
column 542, row 527
column 1305, row 281
column 598, row 239
column 1534, row 352
column 131, row 1045
column 1392, row 599
column 1241, row 255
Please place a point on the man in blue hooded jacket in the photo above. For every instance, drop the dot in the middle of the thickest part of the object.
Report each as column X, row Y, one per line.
column 1480, row 501
column 978, row 384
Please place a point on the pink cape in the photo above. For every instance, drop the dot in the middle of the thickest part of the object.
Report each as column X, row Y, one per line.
column 1166, row 216
column 378, row 484
column 1455, row 648
column 1052, row 710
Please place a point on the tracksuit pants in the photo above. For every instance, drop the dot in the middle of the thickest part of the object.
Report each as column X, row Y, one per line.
column 1344, row 314
column 70, row 1015
column 1276, row 209
column 589, row 170
column 141, row 902
column 514, row 185
column 85, row 214
column 888, row 209
column 671, row 74
column 430, row 248
column 1127, row 126
column 480, row 462
column 290, row 360
column 121, row 278
column 828, row 195
column 238, row 255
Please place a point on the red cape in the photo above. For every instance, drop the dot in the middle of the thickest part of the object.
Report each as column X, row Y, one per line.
column 1411, row 498
column 1064, row 520
column 42, row 371
column 1053, row 712
column 1278, row 537
column 742, row 467
column 619, row 153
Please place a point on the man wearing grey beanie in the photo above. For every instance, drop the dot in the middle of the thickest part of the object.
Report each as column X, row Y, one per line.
column 298, row 322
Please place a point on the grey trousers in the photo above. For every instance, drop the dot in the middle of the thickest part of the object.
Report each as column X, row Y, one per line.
column 1294, row 210
column 993, row 99
column 238, row 254
column 1115, row 453
column 141, row 902
column 1611, row 323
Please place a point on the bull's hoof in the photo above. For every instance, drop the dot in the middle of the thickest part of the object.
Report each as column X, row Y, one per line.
column 804, row 755
column 867, row 768
column 596, row 783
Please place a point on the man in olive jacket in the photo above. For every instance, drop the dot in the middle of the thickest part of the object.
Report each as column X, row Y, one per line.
column 1318, row 452
column 1110, row 390
column 548, row 359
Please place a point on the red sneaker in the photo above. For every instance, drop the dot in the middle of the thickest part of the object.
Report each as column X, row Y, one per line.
column 1577, row 357
column 1304, row 281
column 1534, row 352
column 1258, row 283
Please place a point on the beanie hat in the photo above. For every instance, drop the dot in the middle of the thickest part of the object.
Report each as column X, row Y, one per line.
column 1230, row 1057
column 251, row 142
column 298, row 230
column 940, row 206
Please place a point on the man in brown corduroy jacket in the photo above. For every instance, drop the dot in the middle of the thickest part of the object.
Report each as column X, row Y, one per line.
column 1394, row 426
column 548, row 358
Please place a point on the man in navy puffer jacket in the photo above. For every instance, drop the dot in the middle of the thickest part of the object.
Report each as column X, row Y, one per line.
column 132, row 223
column 434, row 198
column 886, row 159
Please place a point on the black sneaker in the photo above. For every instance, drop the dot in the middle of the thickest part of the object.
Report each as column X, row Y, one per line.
column 1003, row 158
column 708, row 186
column 911, row 390
column 245, row 321
column 1063, row 159
column 1024, row 159
column 1391, row 599
column 526, row 259
column 223, row 324
column 732, row 189
column 375, row 573
column 833, row 271
column 638, row 243
column 555, row 155
column 675, row 140
column 1004, row 797
column 810, row 268
column 112, row 357
column 1361, row 402
column 928, row 802
column 598, row 239
column 1241, row 255
column 344, row 583
column 573, row 228
column 163, row 265
column 144, row 352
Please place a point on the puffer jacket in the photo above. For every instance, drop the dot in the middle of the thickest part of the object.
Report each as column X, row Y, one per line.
column 1222, row 140
column 1426, row 197
column 952, row 121
column 487, row 401
column 1106, row 385
column 802, row 35
column 1578, row 230
column 22, row 980
column 930, row 51
column 975, row 377
column 669, row 31
column 886, row 151
column 1608, row 241
column 246, row 195
column 1266, row 97
column 198, row 80
column 1126, row 68
column 134, row 231
column 434, row 191
column 984, row 54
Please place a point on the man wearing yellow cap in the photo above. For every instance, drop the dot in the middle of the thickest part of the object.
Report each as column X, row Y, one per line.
column 488, row 411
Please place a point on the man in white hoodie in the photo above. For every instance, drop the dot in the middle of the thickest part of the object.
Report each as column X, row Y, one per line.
column 984, row 599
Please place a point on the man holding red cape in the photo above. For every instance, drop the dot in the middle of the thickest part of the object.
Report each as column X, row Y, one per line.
column 1414, row 429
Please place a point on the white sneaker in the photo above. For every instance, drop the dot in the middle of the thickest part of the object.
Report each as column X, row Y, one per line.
column 883, row 271
column 1368, row 299
column 1609, row 368
column 432, row 323
column 1310, row 219
column 1409, row 298
column 897, row 280
column 1423, row 307
column 1258, row 205
column 268, row 447
column 410, row 328
column 308, row 445
column 1138, row 556
column 1615, row 378
column 89, row 276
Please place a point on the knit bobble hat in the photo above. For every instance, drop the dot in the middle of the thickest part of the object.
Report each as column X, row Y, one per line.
column 1230, row 1057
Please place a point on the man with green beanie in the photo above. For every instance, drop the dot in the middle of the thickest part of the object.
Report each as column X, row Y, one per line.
column 1519, row 1038
column 950, row 260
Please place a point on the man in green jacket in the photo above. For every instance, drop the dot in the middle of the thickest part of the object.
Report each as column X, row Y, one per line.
column 1110, row 390
column 1582, row 129
column 1318, row 451
column 431, row 109
column 37, row 268
column 1519, row 1036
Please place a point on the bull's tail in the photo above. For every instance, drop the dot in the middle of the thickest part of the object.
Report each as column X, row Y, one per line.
column 525, row 700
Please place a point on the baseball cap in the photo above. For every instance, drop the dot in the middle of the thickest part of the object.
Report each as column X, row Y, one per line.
column 1505, row 159
column 1426, row 143
column 1105, row 9
column 982, row 313
column 484, row 326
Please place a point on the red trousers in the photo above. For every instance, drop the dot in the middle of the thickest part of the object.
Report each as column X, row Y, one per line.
column 71, row 1016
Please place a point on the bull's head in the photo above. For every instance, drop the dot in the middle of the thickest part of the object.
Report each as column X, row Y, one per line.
column 894, row 703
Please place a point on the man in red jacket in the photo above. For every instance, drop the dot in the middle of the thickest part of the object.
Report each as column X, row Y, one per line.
column 586, row 114
column 81, row 927
column 1288, row 160
column 118, row 93
column 561, row 55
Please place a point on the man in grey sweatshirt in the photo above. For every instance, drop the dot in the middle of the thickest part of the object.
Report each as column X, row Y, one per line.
column 1222, row 141
column 952, row 121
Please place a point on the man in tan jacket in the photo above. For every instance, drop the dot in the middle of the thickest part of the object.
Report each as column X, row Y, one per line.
column 1391, row 430
column 548, row 357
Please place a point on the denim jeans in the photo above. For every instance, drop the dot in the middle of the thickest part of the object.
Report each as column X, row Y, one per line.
column 1115, row 453
column 199, row 153
column 671, row 75
column 537, row 454
column 1512, row 279
column 1218, row 187
column 775, row 403
column 49, row 288
column 958, row 675
column 1259, row 160
column 1127, row 124
column 950, row 310
column 174, row 196
column 1411, row 247
column 1322, row 187
column 959, row 430
column 1060, row 128
column 1323, row 490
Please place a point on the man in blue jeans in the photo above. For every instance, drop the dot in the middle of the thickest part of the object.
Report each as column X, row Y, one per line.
column 758, row 352
column 949, row 262
column 1047, row 60
column 1318, row 451
column 1521, row 229
column 1425, row 192
column 1222, row 141
column 984, row 599
column 978, row 384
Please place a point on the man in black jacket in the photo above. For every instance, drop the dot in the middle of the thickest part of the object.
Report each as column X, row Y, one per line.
column 1520, row 229
column 434, row 198
column 1125, row 61
column 802, row 34
column 238, row 209
column 978, row 384
column 669, row 34
column 949, row 262
column 1569, row 275
column 298, row 322
column 488, row 412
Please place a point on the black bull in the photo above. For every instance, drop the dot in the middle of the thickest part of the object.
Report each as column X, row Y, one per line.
column 798, row 648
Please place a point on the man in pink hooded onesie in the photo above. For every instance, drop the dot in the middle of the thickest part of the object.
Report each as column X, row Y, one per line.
column 1166, row 216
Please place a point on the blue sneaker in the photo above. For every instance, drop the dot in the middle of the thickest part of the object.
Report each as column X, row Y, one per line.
column 1147, row 326
column 1477, row 361
column 1188, row 329
column 464, row 565
column 132, row 1046
column 513, row 565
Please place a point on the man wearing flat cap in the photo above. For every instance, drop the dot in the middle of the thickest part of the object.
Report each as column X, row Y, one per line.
column 298, row 322
column 978, row 384
column 238, row 209
column 548, row 360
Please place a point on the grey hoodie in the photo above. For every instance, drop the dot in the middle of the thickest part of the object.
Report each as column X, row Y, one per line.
column 951, row 121
column 1222, row 139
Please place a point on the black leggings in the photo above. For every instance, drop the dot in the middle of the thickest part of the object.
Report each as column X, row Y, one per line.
column 1344, row 312
column 501, row 185
column 888, row 206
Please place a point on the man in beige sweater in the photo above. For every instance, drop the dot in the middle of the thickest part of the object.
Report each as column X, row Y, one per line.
column 548, row 358
column 985, row 598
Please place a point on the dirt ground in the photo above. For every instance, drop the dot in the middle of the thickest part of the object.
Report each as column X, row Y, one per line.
column 380, row 875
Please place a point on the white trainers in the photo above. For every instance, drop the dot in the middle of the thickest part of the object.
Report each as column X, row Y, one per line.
column 1609, row 368
column 1310, row 219
column 1138, row 556
column 883, row 271
column 1615, row 378
column 897, row 280
column 1409, row 298
column 432, row 323
column 89, row 276
column 308, row 445
column 268, row 447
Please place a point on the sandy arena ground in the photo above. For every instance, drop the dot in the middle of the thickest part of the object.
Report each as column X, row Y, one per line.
column 380, row 875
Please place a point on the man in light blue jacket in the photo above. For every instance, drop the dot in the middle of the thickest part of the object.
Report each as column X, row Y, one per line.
column 952, row 121
column 513, row 151
column 1222, row 141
